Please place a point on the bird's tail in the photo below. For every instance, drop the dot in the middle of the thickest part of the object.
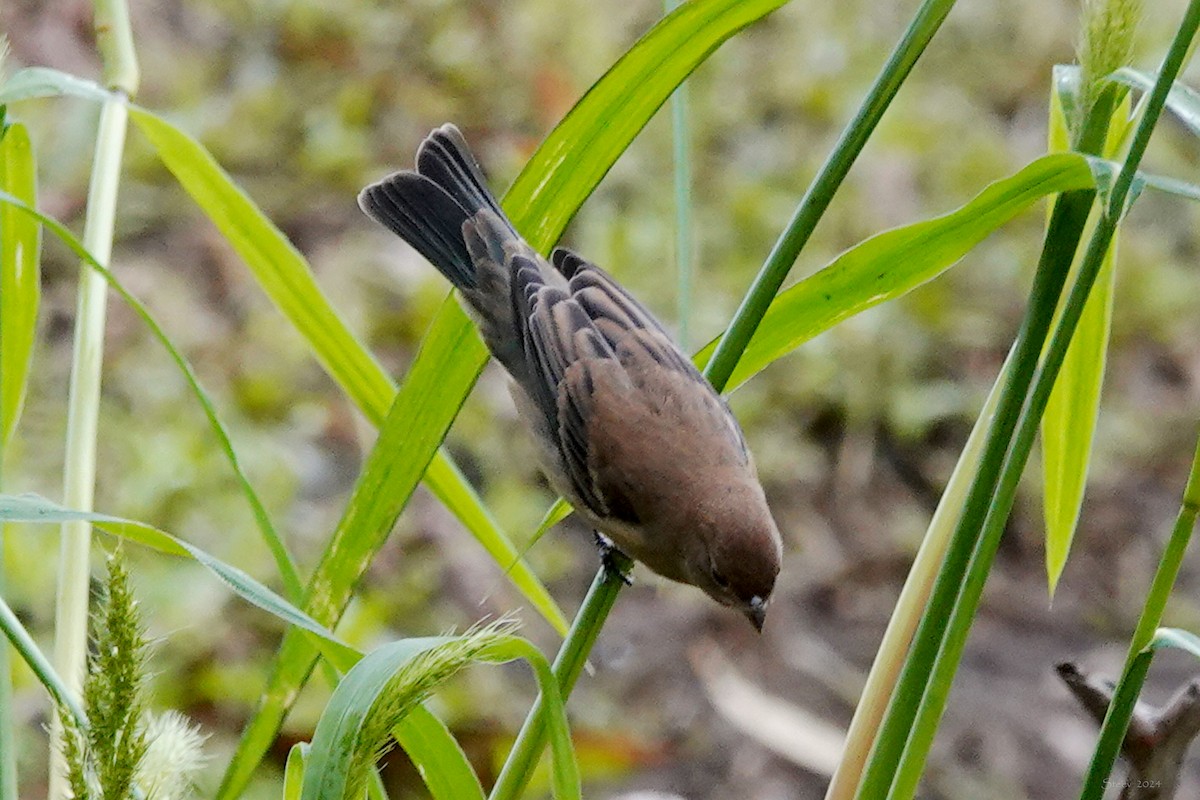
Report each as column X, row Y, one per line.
column 427, row 208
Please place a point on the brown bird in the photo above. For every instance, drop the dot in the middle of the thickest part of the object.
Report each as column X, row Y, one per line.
column 627, row 429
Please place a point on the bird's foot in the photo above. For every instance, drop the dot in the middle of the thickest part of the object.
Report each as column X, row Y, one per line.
column 615, row 563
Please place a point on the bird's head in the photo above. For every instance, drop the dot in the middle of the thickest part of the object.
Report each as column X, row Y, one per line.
column 735, row 556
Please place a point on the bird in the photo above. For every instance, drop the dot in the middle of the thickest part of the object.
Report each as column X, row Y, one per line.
column 626, row 428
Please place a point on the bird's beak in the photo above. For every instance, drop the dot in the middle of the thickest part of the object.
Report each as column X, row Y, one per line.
column 756, row 612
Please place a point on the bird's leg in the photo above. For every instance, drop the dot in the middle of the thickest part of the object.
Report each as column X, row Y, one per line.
column 614, row 561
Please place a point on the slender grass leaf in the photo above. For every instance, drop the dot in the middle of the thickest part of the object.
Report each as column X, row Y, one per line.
column 390, row 682
column 288, row 280
column 27, row 648
column 20, row 279
column 1069, row 421
column 20, row 293
column 455, row 491
column 893, row 263
column 36, row 82
column 583, row 147
column 1182, row 100
column 1175, row 638
column 437, row 756
column 450, row 356
column 557, row 179
column 283, row 559
column 34, row 509
column 293, row 771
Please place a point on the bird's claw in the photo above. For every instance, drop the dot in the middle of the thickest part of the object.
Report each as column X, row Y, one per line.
column 616, row 564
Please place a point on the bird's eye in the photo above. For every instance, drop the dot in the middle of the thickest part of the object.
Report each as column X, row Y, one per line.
column 720, row 579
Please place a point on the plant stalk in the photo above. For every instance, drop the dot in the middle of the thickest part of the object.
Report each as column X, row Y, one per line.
column 1065, row 228
column 531, row 740
column 950, row 651
column 115, row 42
column 1137, row 661
column 920, row 32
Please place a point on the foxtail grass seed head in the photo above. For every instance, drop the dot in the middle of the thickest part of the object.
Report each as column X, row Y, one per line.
column 1106, row 42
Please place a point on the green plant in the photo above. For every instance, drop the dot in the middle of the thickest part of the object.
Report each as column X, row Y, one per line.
column 381, row 694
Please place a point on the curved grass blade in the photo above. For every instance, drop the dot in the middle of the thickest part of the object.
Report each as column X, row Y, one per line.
column 283, row 560
column 288, row 280
column 32, row 83
column 293, row 771
column 38, row 510
column 893, row 263
column 1175, row 638
column 1182, row 101
column 390, row 682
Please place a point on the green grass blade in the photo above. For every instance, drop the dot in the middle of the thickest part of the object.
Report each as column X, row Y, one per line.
column 293, row 772
column 20, row 294
column 34, row 509
column 551, row 700
column 1069, row 422
column 1141, row 645
column 437, row 756
column 283, row 559
column 892, row 263
column 1177, row 639
column 385, row 689
column 287, row 279
column 387, row 682
column 20, row 280
column 1182, row 101
column 582, row 148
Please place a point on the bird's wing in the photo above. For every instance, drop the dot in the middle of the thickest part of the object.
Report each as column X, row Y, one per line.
column 594, row 334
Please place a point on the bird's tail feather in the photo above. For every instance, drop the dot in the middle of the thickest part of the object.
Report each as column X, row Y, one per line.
column 427, row 208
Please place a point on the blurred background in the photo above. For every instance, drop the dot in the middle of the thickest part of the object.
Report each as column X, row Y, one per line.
column 304, row 102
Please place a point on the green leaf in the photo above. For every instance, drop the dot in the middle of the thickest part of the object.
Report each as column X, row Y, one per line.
column 283, row 560
column 389, row 683
column 36, row 82
column 1069, row 421
column 437, row 756
column 293, row 772
column 557, row 179
column 1182, row 100
column 583, row 147
column 893, row 263
column 287, row 279
column 427, row 403
column 38, row 510
column 1174, row 638
column 20, row 281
